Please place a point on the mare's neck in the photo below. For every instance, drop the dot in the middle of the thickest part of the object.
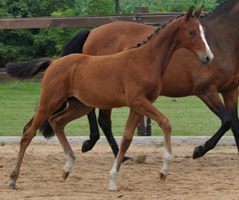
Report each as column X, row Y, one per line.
column 222, row 30
column 162, row 45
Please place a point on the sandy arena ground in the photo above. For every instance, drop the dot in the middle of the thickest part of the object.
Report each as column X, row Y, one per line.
column 216, row 176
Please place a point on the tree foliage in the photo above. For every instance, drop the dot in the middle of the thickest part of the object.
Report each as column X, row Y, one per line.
column 27, row 44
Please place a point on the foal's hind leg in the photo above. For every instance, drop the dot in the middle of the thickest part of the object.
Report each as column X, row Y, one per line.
column 75, row 110
column 43, row 112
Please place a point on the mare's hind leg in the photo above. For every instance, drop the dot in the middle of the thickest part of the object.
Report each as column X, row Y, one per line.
column 131, row 124
column 75, row 110
column 105, row 124
column 94, row 132
column 43, row 112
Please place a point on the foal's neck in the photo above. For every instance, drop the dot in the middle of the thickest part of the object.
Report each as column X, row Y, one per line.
column 162, row 46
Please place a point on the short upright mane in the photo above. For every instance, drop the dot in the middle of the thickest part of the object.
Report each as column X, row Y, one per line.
column 156, row 31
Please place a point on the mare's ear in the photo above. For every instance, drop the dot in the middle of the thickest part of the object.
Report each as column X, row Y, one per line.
column 189, row 13
column 198, row 12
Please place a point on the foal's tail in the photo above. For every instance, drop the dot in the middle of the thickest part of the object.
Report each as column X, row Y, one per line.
column 31, row 68
column 28, row 69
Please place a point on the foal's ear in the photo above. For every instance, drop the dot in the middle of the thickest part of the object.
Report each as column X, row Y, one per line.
column 189, row 13
column 198, row 12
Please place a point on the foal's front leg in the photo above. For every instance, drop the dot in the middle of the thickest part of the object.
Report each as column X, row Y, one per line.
column 133, row 120
column 146, row 108
column 75, row 110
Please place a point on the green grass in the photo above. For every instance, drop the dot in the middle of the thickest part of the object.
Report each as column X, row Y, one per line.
column 19, row 99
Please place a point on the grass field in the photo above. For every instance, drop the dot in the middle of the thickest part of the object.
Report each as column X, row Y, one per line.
column 19, row 99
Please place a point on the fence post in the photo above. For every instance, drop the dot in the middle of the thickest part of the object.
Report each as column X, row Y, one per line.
column 144, row 127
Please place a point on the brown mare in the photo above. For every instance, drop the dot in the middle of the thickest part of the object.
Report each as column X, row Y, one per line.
column 222, row 75
column 115, row 85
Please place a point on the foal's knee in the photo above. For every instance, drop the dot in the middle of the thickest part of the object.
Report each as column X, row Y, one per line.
column 165, row 125
column 126, row 141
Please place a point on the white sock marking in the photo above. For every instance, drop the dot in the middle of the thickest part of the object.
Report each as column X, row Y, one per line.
column 69, row 162
column 113, row 176
column 166, row 162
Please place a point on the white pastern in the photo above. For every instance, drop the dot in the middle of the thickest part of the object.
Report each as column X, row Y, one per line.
column 209, row 52
column 69, row 162
column 113, row 176
column 166, row 162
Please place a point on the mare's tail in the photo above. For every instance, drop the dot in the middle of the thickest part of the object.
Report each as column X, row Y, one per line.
column 74, row 45
column 28, row 69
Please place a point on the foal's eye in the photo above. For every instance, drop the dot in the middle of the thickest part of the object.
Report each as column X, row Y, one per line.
column 192, row 33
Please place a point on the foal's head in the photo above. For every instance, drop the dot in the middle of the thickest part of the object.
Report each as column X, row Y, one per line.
column 191, row 36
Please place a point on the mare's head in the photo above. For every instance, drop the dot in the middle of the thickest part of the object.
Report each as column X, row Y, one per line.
column 192, row 37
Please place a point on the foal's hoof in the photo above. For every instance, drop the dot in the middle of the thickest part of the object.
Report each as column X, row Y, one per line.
column 12, row 185
column 127, row 159
column 86, row 146
column 65, row 174
column 163, row 177
column 198, row 152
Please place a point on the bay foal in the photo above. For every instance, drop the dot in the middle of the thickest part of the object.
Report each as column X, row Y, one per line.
column 111, row 81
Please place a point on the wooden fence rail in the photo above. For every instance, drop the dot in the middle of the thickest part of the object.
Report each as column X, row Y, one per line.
column 84, row 21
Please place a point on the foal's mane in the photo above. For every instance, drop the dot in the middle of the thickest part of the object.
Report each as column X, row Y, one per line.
column 156, row 31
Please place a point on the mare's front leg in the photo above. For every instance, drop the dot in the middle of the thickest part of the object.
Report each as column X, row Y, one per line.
column 214, row 103
column 231, row 101
column 133, row 120
column 58, row 122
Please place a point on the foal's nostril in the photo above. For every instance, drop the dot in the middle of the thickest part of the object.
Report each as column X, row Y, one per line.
column 207, row 59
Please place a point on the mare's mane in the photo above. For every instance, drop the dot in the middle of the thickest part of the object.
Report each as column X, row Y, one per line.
column 212, row 13
column 218, row 9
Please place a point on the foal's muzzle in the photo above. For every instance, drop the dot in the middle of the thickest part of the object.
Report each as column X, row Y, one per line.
column 205, row 58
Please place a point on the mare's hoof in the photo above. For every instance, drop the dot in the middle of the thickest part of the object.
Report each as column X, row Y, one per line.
column 127, row 159
column 163, row 177
column 65, row 174
column 198, row 152
column 86, row 146
column 12, row 186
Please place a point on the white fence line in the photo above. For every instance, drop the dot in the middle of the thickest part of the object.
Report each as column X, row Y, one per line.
column 192, row 140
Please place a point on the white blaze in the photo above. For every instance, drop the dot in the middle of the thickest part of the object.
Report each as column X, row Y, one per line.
column 208, row 50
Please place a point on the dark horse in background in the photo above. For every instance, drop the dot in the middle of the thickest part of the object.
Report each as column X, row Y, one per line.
column 221, row 76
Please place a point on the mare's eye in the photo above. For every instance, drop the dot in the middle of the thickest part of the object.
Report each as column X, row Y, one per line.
column 192, row 33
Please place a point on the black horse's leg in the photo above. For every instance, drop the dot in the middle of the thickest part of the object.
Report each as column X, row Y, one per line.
column 213, row 101
column 105, row 124
column 94, row 132
column 231, row 101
